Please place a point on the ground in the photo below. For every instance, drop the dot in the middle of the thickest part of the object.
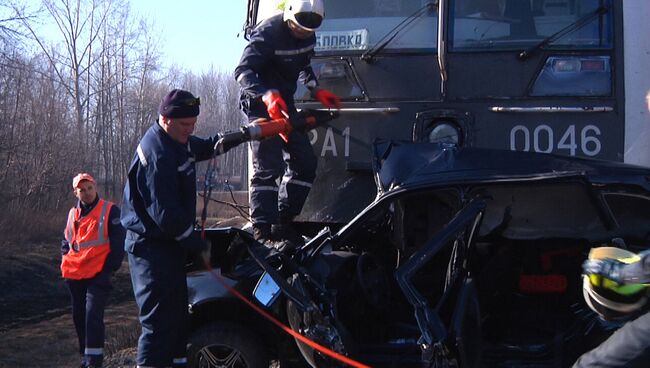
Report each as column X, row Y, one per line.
column 35, row 323
column 36, row 327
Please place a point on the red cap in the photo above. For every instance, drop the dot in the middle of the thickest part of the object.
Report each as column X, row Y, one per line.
column 81, row 177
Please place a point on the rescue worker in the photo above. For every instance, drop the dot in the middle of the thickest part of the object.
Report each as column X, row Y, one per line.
column 92, row 251
column 277, row 56
column 629, row 346
column 159, row 212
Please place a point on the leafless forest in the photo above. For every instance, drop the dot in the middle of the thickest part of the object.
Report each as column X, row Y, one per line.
column 83, row 102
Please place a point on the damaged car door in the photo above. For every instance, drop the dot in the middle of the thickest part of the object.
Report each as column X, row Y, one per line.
column 449, row 324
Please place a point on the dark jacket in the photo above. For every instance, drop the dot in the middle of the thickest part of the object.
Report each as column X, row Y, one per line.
column 275, row 59
column 160, row 193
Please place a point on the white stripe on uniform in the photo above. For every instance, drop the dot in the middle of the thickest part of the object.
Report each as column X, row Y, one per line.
column 299, row 182
column 141, row 156
column 94, row 351
column 186, row 233
column 295, row 51
column 187, row 164
column 263, row 189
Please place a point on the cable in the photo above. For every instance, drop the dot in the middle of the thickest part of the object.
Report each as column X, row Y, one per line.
column 314, row 345
column 207, row 194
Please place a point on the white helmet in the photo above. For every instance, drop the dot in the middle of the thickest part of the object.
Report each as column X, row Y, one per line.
column 608, row 299
column 308, row 14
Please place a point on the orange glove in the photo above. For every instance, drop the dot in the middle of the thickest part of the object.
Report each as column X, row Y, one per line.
column 327, row 98
column 275, row 105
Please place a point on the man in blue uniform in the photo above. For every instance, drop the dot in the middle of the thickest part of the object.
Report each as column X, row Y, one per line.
column 276, row 57
column 629, row 346
column 159, row 211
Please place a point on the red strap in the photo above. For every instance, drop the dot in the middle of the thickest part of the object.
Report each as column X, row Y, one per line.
column 265, row 314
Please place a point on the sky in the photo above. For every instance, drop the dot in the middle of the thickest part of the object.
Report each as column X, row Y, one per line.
column 197, row 33
column 194, row 34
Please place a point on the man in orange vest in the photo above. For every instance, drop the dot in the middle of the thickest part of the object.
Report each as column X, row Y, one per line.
column 92, row 250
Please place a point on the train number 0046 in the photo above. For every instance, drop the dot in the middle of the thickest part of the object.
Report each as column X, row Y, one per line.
column 543, row 139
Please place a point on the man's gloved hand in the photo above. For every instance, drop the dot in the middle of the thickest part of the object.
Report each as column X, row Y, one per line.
column 227, row 141
column 607, row 268
column 65, row 247
column 275, row 105
column 327, row 98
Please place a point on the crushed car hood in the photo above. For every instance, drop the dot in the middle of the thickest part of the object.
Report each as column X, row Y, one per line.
column 402, row 164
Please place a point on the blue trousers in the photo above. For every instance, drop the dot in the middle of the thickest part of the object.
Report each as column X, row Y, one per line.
column 293, row 161
column 158, row 278
column 89, row 298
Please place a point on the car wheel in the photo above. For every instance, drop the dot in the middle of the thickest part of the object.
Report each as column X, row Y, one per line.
column 226, row 345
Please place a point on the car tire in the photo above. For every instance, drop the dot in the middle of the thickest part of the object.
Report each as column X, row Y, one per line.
column 222, row 344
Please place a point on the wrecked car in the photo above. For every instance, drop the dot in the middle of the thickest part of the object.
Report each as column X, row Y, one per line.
column 466, row 258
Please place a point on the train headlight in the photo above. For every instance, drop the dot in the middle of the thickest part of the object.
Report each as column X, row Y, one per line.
column 574, row 76
column 444, row 132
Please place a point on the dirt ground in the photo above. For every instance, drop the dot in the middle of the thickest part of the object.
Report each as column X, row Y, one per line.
column 36, row 327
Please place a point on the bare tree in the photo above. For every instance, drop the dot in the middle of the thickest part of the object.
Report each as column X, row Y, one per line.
column 84, row 103
column 79, row 23
column 10, row 19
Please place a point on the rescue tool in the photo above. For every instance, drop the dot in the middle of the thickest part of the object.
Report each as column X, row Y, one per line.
column 259, row 129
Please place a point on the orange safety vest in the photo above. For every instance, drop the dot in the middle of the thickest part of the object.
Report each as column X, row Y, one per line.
column 89, row 243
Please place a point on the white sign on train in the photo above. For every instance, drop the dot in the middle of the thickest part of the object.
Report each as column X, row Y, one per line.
column 342, row 40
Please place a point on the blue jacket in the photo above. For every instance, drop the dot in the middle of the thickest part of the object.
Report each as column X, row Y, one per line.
column 160, row 193
column 275, row 59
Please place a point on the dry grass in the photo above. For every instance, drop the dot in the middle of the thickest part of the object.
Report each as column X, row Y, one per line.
column 122, row 337
column 53, row 343
column 36, row 328
column 33, row 226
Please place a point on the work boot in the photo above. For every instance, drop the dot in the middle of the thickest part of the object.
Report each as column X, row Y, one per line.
column 92, row 361
column 288, row 232
column 263, row 234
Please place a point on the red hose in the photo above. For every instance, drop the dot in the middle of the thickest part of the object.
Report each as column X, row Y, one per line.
column 332, row 354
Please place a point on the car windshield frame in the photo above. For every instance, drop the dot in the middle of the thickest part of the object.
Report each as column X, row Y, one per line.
column 503, row 27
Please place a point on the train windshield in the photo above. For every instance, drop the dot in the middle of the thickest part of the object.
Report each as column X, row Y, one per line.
column 359, row 25
column 478, row 25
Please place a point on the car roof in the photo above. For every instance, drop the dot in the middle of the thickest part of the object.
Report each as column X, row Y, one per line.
column 407, row 164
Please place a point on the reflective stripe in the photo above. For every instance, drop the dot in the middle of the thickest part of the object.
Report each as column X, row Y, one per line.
column 179, row 360
column 68, row 228
column 143, row 159
column 243, row 75
column 101, row 239
column 551, row 109
column 91, row 243
column 299, row 182
column 263, row 189
column 187, row 164
column 186, row 233
column 296, row 51
column 94, row 351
